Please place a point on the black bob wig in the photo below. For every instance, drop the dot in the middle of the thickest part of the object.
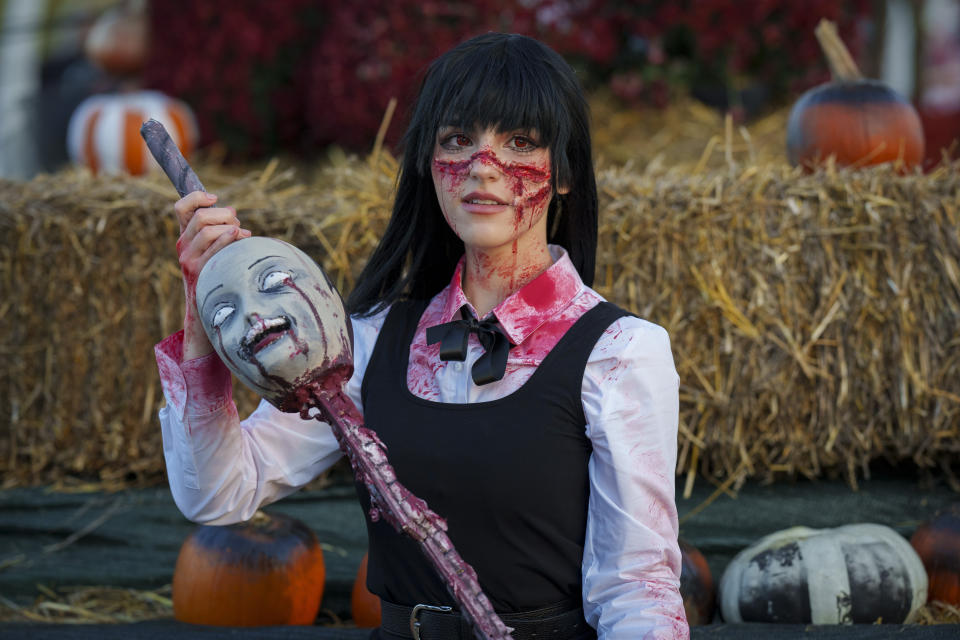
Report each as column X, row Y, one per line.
column 509, row 82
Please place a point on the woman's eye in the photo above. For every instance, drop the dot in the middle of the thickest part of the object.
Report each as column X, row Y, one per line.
column 274, row 279
column 221, row 315
column 522, row 143
column 456, row 141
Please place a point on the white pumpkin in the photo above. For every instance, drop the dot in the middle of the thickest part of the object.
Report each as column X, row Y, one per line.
column 857, row 573
column 104, row 130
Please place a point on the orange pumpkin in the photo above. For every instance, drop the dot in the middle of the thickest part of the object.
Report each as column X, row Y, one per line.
column 118, row 40
column 364, row 606
column 104, row 130
column 937, row 542
column 268, row 571
column 696, row 585
column 857, row 121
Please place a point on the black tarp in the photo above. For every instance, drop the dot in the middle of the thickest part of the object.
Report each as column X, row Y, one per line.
column 131, row 539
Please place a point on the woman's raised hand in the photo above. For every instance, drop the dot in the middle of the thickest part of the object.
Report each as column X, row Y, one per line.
column 204, row 230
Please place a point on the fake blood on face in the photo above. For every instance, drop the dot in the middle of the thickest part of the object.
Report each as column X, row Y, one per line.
column 524, row 187
column 518, row 171
column 529, row 184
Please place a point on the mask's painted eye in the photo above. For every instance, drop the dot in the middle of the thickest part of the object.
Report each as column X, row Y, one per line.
column 275, row 279
column 221, row 315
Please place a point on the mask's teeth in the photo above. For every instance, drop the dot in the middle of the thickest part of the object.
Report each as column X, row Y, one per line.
column 256, row 332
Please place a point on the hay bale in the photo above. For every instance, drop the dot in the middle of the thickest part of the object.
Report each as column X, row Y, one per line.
column 812, row 317
column 91, row 282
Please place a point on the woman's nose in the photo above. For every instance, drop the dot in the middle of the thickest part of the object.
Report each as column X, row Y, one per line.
column 483, row 165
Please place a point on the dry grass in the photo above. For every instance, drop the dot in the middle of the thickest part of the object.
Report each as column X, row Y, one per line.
column 937, row 612
column 89, row 605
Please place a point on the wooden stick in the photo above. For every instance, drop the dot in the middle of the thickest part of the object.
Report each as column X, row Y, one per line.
column 166, row 153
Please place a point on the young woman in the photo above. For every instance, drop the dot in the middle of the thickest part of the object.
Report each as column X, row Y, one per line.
column 537, row 419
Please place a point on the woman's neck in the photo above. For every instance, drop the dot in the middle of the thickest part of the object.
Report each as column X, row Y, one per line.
column 491, row 275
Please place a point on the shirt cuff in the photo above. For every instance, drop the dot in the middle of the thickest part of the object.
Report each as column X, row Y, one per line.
column 196, row 387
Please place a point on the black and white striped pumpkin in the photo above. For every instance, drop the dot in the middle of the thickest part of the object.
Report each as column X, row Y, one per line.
column 857, row 573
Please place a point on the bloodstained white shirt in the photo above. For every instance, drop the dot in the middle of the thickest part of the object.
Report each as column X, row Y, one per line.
column 222, row 469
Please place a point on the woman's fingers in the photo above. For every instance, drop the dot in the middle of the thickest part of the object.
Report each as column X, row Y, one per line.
column 225, row 238
column 186, row 206
column 207, row 240
column 200, row 221
column 202, row 218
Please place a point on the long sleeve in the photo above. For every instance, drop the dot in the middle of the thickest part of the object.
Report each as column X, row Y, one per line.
column 222, row 469
column 631, row 562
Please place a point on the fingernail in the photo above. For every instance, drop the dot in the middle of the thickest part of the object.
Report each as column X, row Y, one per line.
column 211, row 197
column 245, row 233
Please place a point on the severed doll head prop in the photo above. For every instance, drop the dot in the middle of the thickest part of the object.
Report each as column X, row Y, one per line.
column 275, row 319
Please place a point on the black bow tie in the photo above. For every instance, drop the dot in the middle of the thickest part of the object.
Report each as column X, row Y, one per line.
column 453, row 337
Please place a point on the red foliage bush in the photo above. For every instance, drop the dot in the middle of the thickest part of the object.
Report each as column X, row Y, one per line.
column 240, row 64
column 297, row 75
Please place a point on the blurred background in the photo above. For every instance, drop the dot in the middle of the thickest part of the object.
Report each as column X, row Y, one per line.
column 252, row 80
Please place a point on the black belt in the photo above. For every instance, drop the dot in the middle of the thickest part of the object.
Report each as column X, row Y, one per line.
column 563, row 621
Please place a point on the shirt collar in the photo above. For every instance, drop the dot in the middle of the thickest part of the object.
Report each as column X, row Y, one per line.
column 529, row 307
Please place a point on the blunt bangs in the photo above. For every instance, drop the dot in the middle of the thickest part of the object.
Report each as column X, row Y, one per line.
column 498, row 81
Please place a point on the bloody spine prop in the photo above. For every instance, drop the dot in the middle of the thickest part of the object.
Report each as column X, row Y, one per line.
column 323, row 399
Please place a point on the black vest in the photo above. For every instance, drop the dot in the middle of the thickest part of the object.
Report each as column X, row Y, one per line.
column 509, row 476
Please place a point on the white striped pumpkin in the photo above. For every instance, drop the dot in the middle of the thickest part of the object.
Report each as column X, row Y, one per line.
column 104, row 130
column 857, row 573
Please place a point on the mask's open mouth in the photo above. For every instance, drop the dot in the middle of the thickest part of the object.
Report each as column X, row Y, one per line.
column 262, row 334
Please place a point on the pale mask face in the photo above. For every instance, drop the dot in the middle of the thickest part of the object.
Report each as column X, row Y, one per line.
column 274, row 318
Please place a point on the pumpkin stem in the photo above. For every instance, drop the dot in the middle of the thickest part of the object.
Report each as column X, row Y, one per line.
column 842, row 65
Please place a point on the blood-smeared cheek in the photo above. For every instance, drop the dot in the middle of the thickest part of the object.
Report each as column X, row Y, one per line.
column 452, row 173
column 449, row 178
column 532, row 204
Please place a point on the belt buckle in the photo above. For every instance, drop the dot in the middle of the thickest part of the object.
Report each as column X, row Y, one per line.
column 415, row 613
